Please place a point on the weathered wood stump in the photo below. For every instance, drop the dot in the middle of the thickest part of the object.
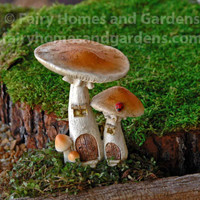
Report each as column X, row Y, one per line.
column 30, row 125
column 173, row 188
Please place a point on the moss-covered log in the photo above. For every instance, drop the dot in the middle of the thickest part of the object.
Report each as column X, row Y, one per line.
column 163, row 72
column 9, row 14
column 177, row 153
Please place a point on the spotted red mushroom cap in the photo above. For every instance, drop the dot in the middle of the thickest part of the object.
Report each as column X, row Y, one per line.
column 107, row 101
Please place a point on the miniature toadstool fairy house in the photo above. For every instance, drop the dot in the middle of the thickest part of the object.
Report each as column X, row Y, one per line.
column 83, row 63
column 116, row 103
column 63, row 144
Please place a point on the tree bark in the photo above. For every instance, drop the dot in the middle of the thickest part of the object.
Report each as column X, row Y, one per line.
column 173, row 188
column 176, row 153
column 31, row 126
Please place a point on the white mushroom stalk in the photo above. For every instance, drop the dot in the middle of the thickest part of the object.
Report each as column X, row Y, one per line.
column 65, row 155
column 82, row 122
column 115, row 148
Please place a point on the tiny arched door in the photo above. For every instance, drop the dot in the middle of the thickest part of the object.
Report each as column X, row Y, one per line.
column 113, row 151
column 86, row 146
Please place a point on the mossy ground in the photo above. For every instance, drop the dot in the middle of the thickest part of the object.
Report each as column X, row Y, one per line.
column 42, row 172
column 164, row 76
column 8, row 15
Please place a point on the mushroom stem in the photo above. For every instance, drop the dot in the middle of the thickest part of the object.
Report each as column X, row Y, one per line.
column 114, row 141
column 65, row 153
column 82, row 124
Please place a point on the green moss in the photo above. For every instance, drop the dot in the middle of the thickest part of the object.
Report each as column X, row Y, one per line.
column 165, row 76
column 42, row 172
column 9, row 14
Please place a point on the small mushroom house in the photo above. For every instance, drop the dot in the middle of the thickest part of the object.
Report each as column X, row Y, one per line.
column 116, row 103
column 83, row 63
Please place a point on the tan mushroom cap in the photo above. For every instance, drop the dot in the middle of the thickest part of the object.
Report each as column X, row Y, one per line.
column 62, row 142
column 83, row 59
column 73, row 155
column 106, row 101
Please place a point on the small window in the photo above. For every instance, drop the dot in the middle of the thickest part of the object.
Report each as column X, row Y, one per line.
column 110, row 129
column 79, row 110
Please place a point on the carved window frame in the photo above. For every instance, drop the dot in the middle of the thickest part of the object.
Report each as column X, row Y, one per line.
column 111, row 129
column 79, row 110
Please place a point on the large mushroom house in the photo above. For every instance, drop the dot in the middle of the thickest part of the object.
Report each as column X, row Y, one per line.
column 83, row 63
column 116, row 103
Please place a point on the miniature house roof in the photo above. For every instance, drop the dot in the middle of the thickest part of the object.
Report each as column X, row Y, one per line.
column 83, row 59
column 106, row 101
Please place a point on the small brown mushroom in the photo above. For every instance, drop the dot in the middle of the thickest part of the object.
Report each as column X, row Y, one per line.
column 63, row 144
column 73, row 155
column 116, row 103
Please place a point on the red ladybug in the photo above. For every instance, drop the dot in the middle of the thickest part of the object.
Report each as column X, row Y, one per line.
column 119, row 106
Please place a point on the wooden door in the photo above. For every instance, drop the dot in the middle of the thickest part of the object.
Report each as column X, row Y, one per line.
column 112, row 150
column 86, row 146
